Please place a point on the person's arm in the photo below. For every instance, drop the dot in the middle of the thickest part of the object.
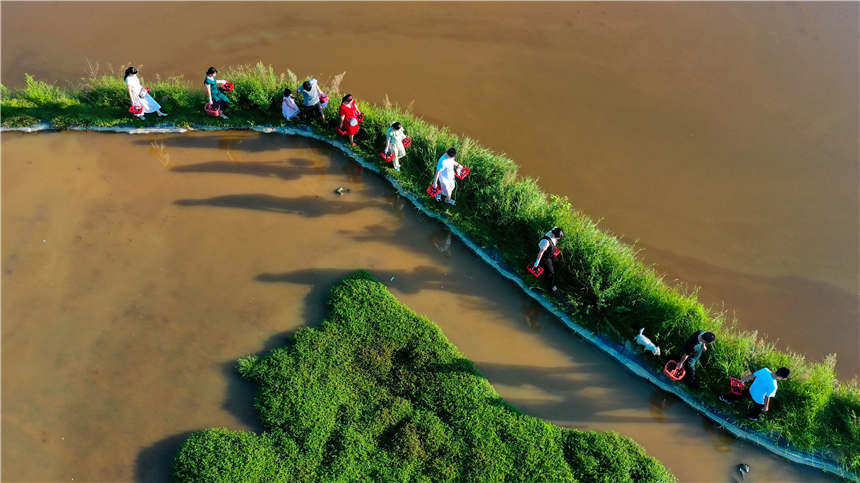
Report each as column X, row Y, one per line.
column 766, row 403
column 220, row 81
column 387, row 143
column 436, row 178
column 540, row 254
column 209, row 91
column 748, row 378
column 683, row 360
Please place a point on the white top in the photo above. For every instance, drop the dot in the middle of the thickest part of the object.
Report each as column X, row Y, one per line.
column 396, row 136
column 133, row 84
column 446, row 167
column 764, row 385
column 312, row 97
column 289, row 108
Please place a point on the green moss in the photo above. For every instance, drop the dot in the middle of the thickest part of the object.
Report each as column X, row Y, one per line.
column 606, row 288
column 378, row 393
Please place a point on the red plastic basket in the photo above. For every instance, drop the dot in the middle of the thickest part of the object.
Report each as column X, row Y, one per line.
column 406, row 142
column 674, row 372
column 323, row 99
column 433, row 191
column 136, row 110
column 360, row 117
column 736, row 387
column 342, row 132
column 387, row 157
column 537, row 272
column 555, row 252
column 226, row 87
column 464, row 171
column 212, row 109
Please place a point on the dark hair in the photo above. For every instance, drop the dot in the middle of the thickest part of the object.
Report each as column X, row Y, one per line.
column 557, row 232
column 783, row 372
column 396, row 125
column 211, row 71
column 452, row 152
column 708, row 337
column 130, row 71
column 287, row 92
column 346, row 98
column 306, row 85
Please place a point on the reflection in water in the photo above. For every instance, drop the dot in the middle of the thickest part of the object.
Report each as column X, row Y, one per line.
column 159, row 150
column 722, row 441
column 532, row 312
column 659, row 402
column 442, row 241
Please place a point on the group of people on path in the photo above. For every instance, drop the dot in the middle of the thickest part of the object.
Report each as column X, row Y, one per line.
column 760, row 386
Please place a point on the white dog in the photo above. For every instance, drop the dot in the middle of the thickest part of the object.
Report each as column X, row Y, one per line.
column 646, row 343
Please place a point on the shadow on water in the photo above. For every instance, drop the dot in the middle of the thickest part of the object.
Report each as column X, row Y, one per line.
column 308, row 206
column 290, row 170
column 238, row 140
column 155, row 462
column 241, row 392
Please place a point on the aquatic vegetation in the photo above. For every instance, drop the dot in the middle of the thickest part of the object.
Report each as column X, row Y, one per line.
column 378, row 393
column 604, row 286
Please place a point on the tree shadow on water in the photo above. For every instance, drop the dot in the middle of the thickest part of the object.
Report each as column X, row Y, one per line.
column 291, row 170
column 308, row 206
column 155, row 462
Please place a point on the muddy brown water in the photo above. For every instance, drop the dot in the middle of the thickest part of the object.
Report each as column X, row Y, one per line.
column 721, row 137
column 137, row 269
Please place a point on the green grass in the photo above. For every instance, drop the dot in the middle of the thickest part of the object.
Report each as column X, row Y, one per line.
column 377, row 393
column 606, row 288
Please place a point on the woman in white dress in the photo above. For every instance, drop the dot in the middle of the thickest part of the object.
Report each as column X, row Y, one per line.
column 446, row 169
column 394, row 143
column 139, row 95
column 289, row 109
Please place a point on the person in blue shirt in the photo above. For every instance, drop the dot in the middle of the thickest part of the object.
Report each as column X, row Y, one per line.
column 762, row 388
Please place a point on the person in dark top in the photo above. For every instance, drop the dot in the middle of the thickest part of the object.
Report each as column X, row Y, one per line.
column 546, row 249
column 693, row 349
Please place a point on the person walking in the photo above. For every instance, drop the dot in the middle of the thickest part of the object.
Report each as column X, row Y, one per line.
column 211, row 83
column 394, row 137
column 140, row 95
column 693, row 349
column 349, row 117
column 446, row 170
column 311, row 94
column 546, row 249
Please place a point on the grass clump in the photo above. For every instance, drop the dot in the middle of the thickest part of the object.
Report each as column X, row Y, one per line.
column 605, row 287
column 378, row 393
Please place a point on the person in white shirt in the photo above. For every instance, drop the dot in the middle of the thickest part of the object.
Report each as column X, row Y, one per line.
column 394, row 137
column 139, row 95
column 762, row 389
column 546, row 248
column 311, row 94
column 446, row 170
column 288, row 107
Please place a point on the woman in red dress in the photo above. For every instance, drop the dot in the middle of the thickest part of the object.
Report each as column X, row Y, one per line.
column 350, row 116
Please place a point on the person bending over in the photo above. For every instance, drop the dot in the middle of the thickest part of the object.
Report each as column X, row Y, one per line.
column 311, row 94
column 695, row 346
column 546, row 247
column 211, row 83
column 289, row 109
column 762, row 389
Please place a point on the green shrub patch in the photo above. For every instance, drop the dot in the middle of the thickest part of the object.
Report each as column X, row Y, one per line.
column 377, row 393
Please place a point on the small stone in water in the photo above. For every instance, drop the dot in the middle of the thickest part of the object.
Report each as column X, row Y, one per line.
column 392, row 279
